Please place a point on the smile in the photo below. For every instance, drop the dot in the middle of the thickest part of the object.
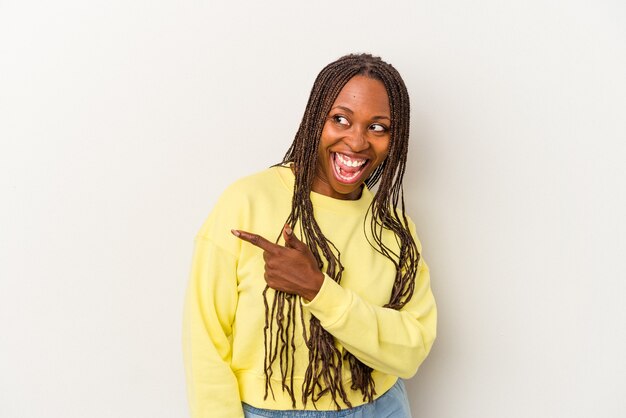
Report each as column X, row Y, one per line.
column 347, row 170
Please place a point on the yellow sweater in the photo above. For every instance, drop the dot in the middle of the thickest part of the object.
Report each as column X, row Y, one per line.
column 224, row 312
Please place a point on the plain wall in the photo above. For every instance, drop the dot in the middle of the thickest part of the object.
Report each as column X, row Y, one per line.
column 121, row 123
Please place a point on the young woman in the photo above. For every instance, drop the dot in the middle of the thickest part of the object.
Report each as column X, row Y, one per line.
column 307, row 290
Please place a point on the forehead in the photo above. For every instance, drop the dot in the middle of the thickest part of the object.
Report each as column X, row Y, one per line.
column 364, row 94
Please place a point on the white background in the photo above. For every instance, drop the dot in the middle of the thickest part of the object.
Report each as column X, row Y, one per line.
column 121, row 122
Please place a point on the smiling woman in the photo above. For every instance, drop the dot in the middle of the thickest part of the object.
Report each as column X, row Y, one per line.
column 328, row 316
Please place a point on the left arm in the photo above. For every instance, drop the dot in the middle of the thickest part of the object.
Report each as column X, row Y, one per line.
column 391, row 341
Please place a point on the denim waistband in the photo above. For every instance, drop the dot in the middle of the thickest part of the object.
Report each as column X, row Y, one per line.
column 302, row 414
column 270, row 413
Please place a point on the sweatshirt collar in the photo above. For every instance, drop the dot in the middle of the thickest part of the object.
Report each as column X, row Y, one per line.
column 322, row 201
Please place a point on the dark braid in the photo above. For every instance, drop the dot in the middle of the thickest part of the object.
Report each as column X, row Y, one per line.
column 324, row 372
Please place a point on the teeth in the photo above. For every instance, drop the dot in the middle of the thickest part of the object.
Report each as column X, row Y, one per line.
column 342, row 161
column 349, row 161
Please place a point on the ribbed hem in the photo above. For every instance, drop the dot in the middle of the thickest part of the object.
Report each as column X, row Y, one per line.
column 251, row 388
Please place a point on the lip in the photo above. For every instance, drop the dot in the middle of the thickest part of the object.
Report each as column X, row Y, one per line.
column 357, row 179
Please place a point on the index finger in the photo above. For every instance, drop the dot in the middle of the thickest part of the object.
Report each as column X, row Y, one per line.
column 254, row 239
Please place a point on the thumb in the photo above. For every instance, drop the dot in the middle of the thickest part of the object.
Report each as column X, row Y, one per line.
column 291, row 241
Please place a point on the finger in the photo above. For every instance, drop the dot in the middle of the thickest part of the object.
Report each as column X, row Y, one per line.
column 287, row 235
column 255, row 239
column 291, row 241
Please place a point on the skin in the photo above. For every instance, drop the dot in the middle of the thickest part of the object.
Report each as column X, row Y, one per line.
column 358, row 126
column 292, row 268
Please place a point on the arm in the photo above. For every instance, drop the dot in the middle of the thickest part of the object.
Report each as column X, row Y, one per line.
column 390, row 341
column 209, row 311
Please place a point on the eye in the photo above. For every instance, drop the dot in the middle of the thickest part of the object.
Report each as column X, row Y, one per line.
column 341, row 120
column 377, row 127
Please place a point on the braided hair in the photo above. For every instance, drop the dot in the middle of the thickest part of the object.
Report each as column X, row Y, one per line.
column 324, row 372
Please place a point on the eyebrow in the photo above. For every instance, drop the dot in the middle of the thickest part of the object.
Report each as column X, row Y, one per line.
column 348, row 110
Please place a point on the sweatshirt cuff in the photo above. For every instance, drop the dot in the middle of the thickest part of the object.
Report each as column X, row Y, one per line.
column 330, row 304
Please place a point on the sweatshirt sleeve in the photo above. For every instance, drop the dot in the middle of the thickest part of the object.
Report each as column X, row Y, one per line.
column 210, row 305
column 390, row 341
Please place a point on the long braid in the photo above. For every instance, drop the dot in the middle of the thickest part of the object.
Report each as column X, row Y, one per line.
column 324, row 371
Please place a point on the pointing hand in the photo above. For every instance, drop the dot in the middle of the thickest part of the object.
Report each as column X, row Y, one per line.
column 290, row 269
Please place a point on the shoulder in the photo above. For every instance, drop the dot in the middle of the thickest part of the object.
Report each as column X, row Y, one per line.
column 410, row 225
column 413, row 230
column 244, row 197
column 262, row 183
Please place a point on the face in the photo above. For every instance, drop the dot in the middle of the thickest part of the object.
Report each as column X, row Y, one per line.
column 355, row 138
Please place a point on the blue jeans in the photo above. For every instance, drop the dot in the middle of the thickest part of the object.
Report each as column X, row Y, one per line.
column 393, row 404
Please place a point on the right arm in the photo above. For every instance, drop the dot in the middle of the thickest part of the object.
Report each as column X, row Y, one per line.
column 209, row 312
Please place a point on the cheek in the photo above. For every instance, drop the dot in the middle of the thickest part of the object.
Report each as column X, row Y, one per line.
column 322, row 153
column 326, row 137
column 382, row 149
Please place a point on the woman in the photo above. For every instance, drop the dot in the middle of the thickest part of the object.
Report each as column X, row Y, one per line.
column 328, row 315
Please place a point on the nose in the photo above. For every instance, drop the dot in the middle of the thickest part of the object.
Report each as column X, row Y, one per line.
column 357, row 139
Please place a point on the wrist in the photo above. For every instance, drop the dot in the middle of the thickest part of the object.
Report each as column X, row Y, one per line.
column 315, row 284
